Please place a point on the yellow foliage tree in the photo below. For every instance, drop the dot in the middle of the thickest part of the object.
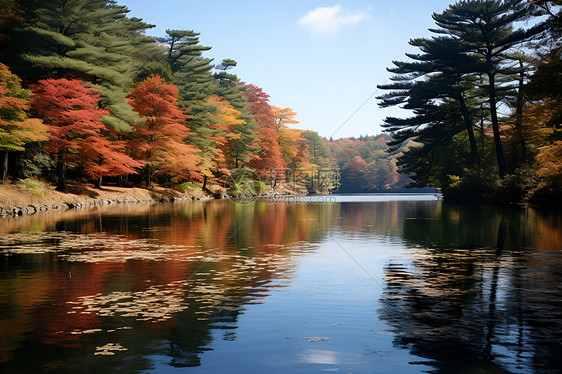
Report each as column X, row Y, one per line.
column 284, row 117
column 16, row 128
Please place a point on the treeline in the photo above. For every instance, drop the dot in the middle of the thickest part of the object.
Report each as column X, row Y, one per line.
column 365, row 165
column 86, row 94
column 484, row 94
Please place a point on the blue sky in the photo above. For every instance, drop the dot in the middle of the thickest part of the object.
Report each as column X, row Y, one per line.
column 324, row 59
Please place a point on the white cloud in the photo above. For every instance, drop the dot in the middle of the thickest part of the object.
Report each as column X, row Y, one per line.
column 330, row 20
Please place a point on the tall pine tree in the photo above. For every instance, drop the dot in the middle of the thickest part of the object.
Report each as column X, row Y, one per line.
column 485, row 27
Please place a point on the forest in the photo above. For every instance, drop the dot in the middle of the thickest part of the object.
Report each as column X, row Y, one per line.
column 87, row 96
column 483, row 93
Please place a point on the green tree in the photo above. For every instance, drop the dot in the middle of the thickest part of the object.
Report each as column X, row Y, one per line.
column 448, row 77
column 470, row 64
column 93, row 40
column 192, row 75
column 486, row 30
column 317, row 149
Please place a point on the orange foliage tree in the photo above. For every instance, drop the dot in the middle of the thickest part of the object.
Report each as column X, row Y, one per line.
column 227, row 119
column 16, row 129
column 294, row 148
column 543, row 120
column 293, row 145
column 77, row 136
column 161, row 140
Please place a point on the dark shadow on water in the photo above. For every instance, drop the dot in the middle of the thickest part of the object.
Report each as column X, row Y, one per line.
column 482, row 291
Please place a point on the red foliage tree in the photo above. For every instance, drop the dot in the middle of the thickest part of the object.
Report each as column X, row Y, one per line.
column 77, row 135
column 160, row 141
column 355, row 170
column 270, row 156
column 259, row 107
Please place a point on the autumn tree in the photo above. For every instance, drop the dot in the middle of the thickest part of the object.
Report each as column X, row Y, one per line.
column 229, row 88
column 160, row 141
column 364, row 164
column 11, row 16
column 381, row 175
column 543, row 114
column 71, row 110
column 270, row 157
column 284, row 117
column 294, row 148
column 16, row 128
column 227, row 119
column 354, row 171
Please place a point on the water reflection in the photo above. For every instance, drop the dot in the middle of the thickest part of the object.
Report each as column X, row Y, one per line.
column 125, row 289
column 481, row 292
column 138, row 282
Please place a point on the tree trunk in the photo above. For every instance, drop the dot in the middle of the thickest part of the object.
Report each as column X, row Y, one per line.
column 469, row 130
column 61, row 176
column 520, row 155
column 120, row 181
column 98, row 182
column 204, row 188
column 148, row 176
column 496, row 127
column 61, row 171
column 5, row 167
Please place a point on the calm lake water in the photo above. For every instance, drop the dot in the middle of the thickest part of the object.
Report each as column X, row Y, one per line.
column 360, row 284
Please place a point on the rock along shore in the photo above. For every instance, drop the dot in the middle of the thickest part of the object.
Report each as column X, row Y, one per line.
column 17, row 201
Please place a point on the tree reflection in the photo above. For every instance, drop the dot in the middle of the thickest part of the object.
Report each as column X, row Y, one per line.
column 479, row 293
column 476, row 297
column 159, row 280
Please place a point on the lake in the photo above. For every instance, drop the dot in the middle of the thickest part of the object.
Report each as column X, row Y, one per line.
column 351, row 284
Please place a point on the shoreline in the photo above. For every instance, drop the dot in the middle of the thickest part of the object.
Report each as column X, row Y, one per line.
column 16, row 200
column 21, row 199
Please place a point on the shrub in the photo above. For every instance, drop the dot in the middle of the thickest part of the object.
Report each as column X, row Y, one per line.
column 37, row 188
column 189, row 187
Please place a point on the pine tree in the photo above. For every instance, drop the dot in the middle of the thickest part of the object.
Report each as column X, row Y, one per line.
column 441, row 74
column 191, row 73
column 468, row 65
column 486, row 29
column 88, row 39
column 319, row 152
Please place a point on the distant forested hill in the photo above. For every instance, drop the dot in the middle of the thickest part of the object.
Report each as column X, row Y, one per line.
column 365, row 166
